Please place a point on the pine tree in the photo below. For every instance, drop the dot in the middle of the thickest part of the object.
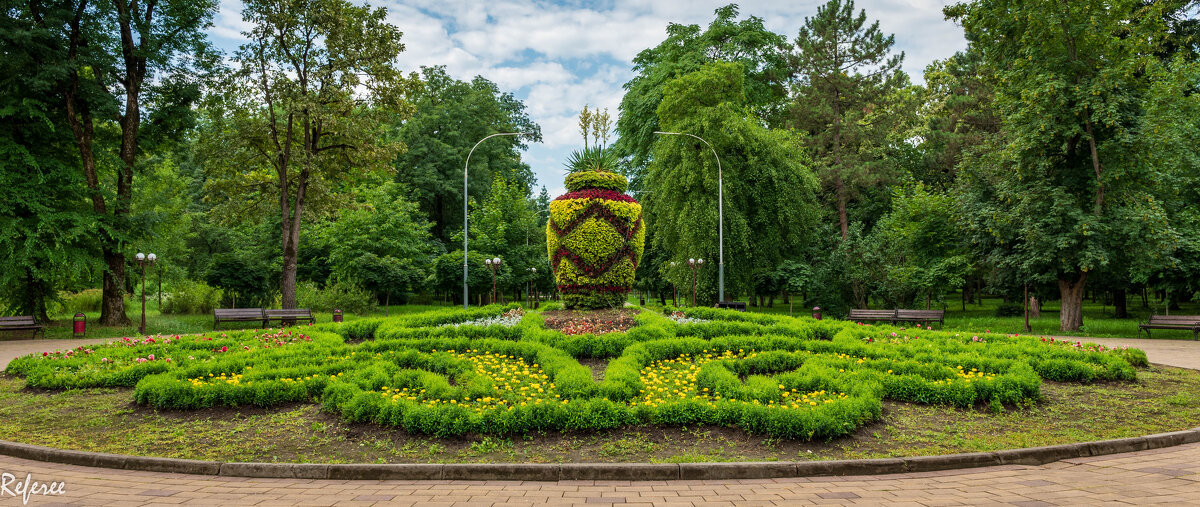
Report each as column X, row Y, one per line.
column 843, row 71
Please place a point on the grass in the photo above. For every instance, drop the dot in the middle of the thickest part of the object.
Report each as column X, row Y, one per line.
column 1098, row 319
column 171, row 324
column 105, row 420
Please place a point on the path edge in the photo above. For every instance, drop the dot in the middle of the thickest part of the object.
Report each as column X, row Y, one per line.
column 603, row 471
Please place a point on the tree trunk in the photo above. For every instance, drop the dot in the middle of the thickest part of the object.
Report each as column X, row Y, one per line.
column 843, row 219
column 1035, row 308
column 1071, row 316
column 1120, row 304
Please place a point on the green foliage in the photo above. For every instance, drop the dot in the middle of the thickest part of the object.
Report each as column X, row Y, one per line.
column 450, row 117
column 382, row 245
column 597, row 159
column 847, row 77
column 339, row 295
column 1010, row 310
column 769, row 192
column 918, row 248
column 1074, row 181
column 774, row 375
column 686, row 49
column 185, row 296
column 505, row 226
column 294, row 123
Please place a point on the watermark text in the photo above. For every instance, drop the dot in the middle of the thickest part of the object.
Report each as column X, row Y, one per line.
column 11, row 485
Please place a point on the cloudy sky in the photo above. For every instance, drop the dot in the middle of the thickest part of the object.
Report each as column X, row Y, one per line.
column 558, row 56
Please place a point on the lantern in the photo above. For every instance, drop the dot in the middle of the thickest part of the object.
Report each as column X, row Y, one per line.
column 80, row 325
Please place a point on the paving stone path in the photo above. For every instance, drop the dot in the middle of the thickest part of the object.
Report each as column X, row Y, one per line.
column 1169, row 476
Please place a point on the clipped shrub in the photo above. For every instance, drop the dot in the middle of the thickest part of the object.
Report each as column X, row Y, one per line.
column 337, row 295
column 191, row 297
column 783, row 377
column 595, row 239
column 84, row 301
column 1010, row 310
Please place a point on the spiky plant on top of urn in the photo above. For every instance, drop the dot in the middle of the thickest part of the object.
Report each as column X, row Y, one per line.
column 595, row 236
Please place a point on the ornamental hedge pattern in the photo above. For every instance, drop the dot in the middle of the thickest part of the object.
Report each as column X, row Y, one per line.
column 777, row 376
column 595, row 238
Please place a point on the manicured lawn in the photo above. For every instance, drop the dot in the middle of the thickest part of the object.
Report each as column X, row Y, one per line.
column 170, row 324
column 1098, row 320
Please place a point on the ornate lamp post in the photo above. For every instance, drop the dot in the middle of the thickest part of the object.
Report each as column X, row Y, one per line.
column 465, row 167
column 143, row 260
column 493, row 264
column 720, row 213
column 694, row 264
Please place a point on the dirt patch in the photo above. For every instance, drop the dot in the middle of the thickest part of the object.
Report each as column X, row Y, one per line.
column 590, row 321
column 597, row 366
column 105, row 420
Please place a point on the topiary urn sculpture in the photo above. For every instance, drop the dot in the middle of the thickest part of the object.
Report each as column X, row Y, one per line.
column 595, row 238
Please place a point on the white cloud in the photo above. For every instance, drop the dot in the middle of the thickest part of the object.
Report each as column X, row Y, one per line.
column 559, row 57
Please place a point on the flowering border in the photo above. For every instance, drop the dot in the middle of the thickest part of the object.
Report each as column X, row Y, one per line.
column 599, row 210
column 596, row 193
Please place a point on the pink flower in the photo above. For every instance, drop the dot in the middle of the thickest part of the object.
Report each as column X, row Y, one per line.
column 150, row 357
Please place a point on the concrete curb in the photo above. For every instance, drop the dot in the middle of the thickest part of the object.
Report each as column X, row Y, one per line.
column 604, row 471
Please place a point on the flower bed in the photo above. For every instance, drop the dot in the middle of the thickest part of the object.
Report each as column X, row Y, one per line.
column 593, row 322
column 509, row 318
column 783, row 377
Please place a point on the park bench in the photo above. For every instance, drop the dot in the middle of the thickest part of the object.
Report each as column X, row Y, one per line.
column 732, row 305
column 938, row 316
column 291, row 316
column 238, row 315
column 22, row 323
column 1185, row 322
column 864, row 315
column 897, row 315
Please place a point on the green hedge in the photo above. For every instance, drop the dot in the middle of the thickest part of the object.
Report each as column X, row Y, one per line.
column 779, row 376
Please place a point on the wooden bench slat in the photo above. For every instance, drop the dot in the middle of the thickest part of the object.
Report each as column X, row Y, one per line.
column 1180, row 322
column 238, row 315
column 293, row 314
column 22, row 323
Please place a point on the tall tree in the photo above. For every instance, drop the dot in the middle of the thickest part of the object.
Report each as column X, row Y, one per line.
column 1075, row 177
column 844, row 70
column 959, row 115
column 686, row 49
column 768, row 190
column 310, row 103
column 45, row 222
column 382, row 243
column 106, row 62
column 451, row 117
column 504, row 225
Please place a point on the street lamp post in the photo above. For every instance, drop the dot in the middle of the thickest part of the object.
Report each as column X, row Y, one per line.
column 466, row 166
column 720, row 214
column 143, row 260
column 529, row 292
column 493, row 264
column 694, row 264
column 675, row 289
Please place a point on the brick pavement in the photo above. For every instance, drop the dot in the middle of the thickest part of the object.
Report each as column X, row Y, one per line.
column 1169, row 476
